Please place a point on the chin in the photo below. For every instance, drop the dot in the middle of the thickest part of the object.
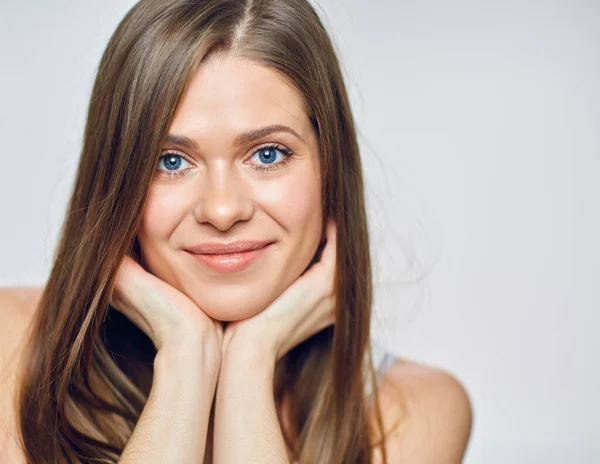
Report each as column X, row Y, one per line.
column 234, row 304
column 227, row 314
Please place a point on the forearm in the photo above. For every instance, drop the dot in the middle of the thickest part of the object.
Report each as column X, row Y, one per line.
column 247, row 428
column 174, row 422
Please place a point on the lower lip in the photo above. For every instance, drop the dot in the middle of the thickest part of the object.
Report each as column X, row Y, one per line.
column 234, row 262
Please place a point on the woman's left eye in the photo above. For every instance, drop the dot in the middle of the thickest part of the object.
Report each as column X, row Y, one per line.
column 271, row 157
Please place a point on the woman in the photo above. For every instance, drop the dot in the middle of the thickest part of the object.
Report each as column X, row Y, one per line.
column 210, row 299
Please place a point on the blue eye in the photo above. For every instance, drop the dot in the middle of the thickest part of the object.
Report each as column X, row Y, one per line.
column 271, row 157
column 267, row 155
column 169, row 163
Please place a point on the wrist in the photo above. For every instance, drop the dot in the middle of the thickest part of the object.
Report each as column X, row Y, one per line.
column 247, row 353
column 187, row 353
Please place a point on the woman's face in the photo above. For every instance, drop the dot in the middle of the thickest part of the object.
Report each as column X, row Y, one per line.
column 219, row 184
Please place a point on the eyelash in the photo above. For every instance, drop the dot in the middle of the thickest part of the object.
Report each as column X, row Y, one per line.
column 272, row 167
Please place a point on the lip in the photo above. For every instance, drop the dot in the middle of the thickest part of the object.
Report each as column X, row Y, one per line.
column 215, row 248
column 229, row 257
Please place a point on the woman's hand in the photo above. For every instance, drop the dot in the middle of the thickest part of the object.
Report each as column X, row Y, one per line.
column 162, row 312
column 303, row 309
column 174, row 424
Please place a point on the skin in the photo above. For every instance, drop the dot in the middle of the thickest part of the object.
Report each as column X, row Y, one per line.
column 271, row 307
column 224, row 197
column 432, row 405
column 212, row 188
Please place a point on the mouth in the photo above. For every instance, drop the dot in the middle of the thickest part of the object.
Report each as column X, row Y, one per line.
column 235, row 261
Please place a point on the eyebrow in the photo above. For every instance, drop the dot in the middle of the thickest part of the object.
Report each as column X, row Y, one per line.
column 241, row 139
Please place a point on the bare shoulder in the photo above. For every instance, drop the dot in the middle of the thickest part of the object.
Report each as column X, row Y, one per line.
column 427, row 414
column 17, row 306
column 16, row 301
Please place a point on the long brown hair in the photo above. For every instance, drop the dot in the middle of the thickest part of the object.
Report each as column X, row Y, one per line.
column 89, row 370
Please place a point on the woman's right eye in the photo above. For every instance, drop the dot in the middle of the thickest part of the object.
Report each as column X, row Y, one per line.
column 170, row 164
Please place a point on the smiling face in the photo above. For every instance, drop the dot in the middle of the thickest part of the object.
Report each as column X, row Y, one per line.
column 223, row 179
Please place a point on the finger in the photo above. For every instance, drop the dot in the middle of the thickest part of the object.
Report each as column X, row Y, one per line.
column 129, row 274
column 320, row 276
column 322, row 316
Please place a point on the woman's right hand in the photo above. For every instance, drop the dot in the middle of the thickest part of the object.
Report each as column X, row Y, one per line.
column 162, row 312
column 174, row 424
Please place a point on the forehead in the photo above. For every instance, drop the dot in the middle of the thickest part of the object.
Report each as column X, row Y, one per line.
column 232, row 94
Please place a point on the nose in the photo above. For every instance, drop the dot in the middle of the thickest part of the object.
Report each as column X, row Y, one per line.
column 224, row 198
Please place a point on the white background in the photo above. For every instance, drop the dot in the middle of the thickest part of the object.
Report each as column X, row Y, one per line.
column 479, row 124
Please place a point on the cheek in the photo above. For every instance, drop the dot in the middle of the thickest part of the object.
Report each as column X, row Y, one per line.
column 295, row 204
column 162, row 213
column 294, row 201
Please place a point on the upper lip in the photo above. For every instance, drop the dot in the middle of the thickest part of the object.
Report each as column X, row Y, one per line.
column 216, row 248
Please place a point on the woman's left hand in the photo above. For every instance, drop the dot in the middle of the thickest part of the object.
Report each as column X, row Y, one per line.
column 303, row 309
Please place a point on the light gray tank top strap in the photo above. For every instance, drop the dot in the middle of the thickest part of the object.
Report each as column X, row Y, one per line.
column 383, row 360
column 386, row 363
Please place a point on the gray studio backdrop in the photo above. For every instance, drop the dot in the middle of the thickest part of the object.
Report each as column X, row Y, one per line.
column 479, row 124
